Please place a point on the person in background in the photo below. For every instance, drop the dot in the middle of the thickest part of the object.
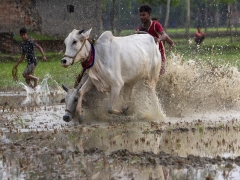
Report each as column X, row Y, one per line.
column 199, row 36
column 27, row 47
column 155, row 29
column 155, row 19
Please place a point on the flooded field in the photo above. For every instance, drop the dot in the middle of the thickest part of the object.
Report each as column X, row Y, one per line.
column 196, row 137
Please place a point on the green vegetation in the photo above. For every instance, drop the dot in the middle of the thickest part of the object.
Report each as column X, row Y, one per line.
column 215, row 49
column 218, row 50
column 34, row 35
column 52, row 67
column 174, row 31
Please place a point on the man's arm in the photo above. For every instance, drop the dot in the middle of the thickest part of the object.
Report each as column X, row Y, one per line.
column 41, row 50
column 164, row 37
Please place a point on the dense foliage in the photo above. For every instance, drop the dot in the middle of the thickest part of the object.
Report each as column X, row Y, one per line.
column 123, row 14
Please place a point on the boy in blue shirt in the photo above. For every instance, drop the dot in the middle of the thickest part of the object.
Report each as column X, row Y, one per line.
column 27, row 47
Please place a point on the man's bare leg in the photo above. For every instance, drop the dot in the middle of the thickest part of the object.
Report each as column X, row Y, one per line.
column 162, row 71
column 35, row 82
column 31, row 77
column 29, row 82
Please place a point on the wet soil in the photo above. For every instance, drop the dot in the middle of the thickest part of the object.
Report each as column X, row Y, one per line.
column 36, row 144
column 87, row 151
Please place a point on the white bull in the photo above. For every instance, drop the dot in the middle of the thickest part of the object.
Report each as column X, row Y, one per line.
column 113, row 62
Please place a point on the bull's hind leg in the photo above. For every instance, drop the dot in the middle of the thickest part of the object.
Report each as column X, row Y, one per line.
column 127, row 94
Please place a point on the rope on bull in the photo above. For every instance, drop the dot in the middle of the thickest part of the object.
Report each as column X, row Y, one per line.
column 14, row 74
column 79, row 77
column 82, row 73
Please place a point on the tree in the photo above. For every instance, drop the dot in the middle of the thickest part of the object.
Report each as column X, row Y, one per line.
column 118, row 14
column 188, row 18
column 167, row 14
column 113, row 15
column 229, row 2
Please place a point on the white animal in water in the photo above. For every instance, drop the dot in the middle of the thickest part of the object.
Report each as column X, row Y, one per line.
column 113, row 62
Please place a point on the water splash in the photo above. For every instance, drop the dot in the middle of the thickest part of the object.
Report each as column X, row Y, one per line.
column 197, row 86
column 144, row 105
column 41, row 95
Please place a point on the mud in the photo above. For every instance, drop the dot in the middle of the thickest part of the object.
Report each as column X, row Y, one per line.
column 37, row 144
column 196, row 135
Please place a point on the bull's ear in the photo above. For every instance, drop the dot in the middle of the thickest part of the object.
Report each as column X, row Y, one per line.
column 64, row 88
column 81, row 31
column 86, row 34
column 62, row 100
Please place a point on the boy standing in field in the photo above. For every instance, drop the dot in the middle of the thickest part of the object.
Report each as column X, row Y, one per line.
column 27, row 47
column 154, row 28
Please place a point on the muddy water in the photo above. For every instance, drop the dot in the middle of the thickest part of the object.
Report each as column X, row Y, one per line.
column 196, row 137
column 37, row 144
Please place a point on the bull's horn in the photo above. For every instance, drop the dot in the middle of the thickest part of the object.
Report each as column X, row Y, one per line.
column 81, row 31
column 64, row 88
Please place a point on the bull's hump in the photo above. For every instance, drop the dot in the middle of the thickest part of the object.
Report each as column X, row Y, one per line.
column 105, row 37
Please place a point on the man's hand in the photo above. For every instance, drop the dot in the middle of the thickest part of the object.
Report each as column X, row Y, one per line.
column 157, row 40
column 162, row 71
column 170, row 47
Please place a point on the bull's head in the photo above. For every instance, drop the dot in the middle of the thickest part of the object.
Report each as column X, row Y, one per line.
column 71, row 100
column 76, row 47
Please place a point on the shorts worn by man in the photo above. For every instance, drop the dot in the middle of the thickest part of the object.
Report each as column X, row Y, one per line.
column 155, row 29
column 27, row 47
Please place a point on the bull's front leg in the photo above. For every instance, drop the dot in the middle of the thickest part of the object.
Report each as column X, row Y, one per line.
column 85, row 88
column 115, row 91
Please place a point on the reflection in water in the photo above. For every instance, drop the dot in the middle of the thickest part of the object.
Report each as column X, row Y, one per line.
column 127, row 150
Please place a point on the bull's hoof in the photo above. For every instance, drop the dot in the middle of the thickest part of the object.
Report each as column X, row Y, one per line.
column 115, row 112
column 123, row 112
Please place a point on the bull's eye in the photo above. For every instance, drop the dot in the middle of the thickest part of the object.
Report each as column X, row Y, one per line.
column 74, row 42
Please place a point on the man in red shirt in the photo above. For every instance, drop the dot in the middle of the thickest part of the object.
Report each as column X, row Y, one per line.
column 156, row 30
column 199, row 36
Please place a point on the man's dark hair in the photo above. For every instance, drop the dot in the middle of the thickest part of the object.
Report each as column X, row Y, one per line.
column 145, row 8
column 23, row 31
column 198, row 26
column 155, row 19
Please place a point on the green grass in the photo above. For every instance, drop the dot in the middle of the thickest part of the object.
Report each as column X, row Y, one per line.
column 193, row 30
column 218, row 50
column 35, row 36
column 172, row 31
column 52, row 67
